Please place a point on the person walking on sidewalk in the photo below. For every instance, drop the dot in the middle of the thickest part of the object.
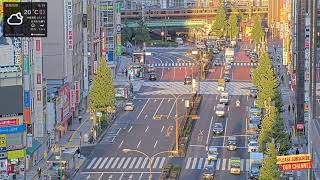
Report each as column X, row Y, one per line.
column 80, row 118
column 289, row 108
column 293, row 108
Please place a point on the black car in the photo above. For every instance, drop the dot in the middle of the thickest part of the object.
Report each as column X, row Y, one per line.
column 187, row 80
column 226, row 77
column 152, row 77
column 208, row 172
column 253, row 92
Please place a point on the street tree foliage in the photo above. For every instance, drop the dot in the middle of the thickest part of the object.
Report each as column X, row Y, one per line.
column 233, row 25
column 220, row 21
column 102, row 93
column 141, row 33
column 257, row 31
column 126, row 33
column 265, row 80
column 269, row 169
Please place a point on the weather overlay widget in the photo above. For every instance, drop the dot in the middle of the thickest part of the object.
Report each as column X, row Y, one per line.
column 25, row 19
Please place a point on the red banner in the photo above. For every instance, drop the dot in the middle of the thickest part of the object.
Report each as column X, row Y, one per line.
column 77, row 88
column 73, row 99
column 9, row 122
column 296, row 166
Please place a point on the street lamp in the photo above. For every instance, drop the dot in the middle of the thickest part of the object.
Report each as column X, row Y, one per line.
column 150, row 158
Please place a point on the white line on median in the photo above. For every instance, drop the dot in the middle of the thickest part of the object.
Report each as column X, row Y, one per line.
column 130, row 129
column 225, row 131
column 172, row 107
column 142, row 109
column 209, row 131
column 162, row 128
column 146, row 129
column 155, row 144
column 120, row 144
column 139, row 144
column 158, row 108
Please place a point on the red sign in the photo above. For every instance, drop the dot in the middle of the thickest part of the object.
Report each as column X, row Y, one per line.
column 64, row 93
column 77, row 88
column 296, row 166
column 9, row 122
column 73, row 99
column 300, row 126
column 38, row 45
column 9, row 168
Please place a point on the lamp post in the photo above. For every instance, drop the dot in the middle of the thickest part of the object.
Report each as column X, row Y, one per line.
column 150, row 158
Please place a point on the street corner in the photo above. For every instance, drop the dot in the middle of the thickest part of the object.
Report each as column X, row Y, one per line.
column 241, row 74
column 241, row 57
column 168, row 74
column 217, row 73
column 180, row 73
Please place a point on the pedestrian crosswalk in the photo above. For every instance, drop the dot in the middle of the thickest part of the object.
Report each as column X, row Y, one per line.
column 166, row 88
column 99, row 163
column 185, row 64
column 237, row 64
column 222, row 164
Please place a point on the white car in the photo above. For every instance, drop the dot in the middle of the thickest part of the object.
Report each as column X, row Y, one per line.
column 212, row 153
column 220, row 110
column 253, row 146
column 129, row 106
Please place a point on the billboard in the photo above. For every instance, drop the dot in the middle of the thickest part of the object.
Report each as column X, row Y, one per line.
column 12, row 129
column 11, row 101
column 69, row 24
column 9, row 122
column 295, row 166
column 293, row 158
column 64, row 94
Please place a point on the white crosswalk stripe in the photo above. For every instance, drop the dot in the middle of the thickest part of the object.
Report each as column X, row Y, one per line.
column 91, row 163
column 155, row 163
column 144, row 163
column 132, row 162
column 96, row 165
column 115, row 163
column 171, row 65
column 126, row 163
column 162, row 162
column 222, row 164
column 103, row 163
column 165, row 88
column 138, row 163
column 121, row 162
column 109, row 162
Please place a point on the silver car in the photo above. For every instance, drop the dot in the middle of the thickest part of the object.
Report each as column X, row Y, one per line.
column 217, row 128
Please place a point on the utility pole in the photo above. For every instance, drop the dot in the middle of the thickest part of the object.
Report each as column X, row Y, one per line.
column 177, row 126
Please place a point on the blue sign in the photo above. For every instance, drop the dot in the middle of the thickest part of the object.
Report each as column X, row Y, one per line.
column 3, row 149
column 26, row 98
column 26, row 64
column 110, row 56
column 12, row 129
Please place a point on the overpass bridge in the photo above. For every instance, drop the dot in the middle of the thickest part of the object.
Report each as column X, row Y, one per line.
column 181, row 17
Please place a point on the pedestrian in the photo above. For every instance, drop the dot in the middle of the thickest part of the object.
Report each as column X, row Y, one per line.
column 289, row 108
column 126, row 72
column 39, row 172
column 293, row 108
column 297, row 151
column 80, row 118
column 282, row 78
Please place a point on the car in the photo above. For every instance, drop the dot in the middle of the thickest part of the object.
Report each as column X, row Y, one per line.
column 252, row 146
column 255, row 120
column 226, row 77
column 152, row 77
column 255, row 111
column 208, row 171
column 253, row 92
column 220, row 110
column 232, row 143
column 187, row 80
column 151, row 69
column 217, row 128
column 227, row 66
column 128, row 106
column 217, row 61
column 254, row 58
column 235, row 165
column 215, row 51
column 212, row 153
column 252, row 138
column 224, row 98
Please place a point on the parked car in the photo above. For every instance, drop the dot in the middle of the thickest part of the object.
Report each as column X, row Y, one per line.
column 253, row 138
column 128, row 106
column 217, row 128
column 152, row 77
column 226, row 77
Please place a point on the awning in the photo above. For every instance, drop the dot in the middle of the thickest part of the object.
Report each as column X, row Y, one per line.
column 35, row 145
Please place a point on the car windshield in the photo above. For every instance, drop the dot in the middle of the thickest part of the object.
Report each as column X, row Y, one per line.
column 218, row 126
column 208, row 169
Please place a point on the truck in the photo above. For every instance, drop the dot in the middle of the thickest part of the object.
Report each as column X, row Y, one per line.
column 224, row 98
column 221, row 85
column 229, row 54
column 255, row 164
column 235, row 165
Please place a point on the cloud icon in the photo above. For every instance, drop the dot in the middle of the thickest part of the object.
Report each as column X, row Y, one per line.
column 15, row 19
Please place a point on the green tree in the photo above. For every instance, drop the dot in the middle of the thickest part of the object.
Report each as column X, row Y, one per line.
column 257, row 31
column 102, row 93
column 220, row 21
column 126, row 33
column 269, row 169
column 142, row 34
column 233, row 25
column 280, row 135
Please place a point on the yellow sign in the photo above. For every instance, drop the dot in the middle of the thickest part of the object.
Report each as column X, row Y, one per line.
column 16, row 154
column 3, row 140
column 293, row 158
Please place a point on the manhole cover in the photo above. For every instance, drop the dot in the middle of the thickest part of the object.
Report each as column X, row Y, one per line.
column 114, row 131
column 110, row 139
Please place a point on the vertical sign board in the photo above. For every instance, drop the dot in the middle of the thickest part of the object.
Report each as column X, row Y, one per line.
column 69, row 24
column 118, row 29
column 73, row 99
column 3, row 140
column 95, row 67
column 307, row 69
column 77, row 89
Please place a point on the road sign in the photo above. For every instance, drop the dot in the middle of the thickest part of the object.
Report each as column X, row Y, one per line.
column 119, row 49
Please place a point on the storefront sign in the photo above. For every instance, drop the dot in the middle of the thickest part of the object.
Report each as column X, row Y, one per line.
column 77, row 88
column 29, row 140
column 300, row 126
column 12, row 129
column 95, row 67
column 293, row 158
column 27, row 98
column 16, row 154
column 69, row 24
column 296, row 166
column 64, row 93
column 27, row 115
column 73, row 100
column 3, row 166
column 9, row 122
column 14, row 147
column 3, row 149
column 26, row 64
column 3, row 140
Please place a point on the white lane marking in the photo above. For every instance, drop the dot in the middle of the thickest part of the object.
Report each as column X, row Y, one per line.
column 139, row 144
column 91, row 163
column 97, row 163
column 158, row 108
column 225, row 132
column 174, row 73
column 121, row 162
column 247, row 164
column 206, row 162
column 228, row 108
column 138, row 163
column 218, row 164
column 200, row 163
column 188, row 162
column 109, row 163
column 194, row 163
column 224, row 162
column 140, row 176
column 126, row 163
column 162, row 162
column 144, row 162
column 115, row 163
column 216, row 97
column 100, row 176
column 132, row 162
column 88, row 177
column 146, row 129
column 156, row 162
column 155, row 144
column 130, row 129
column 103, row 163
column 242, row 161
column 247, row 98
column 121, row 176
column 172, row 107
column 120, row 144
column 209, row 131
column 142, row 109
column 229, row 164
column 214, row 108
column 145, row 117
column 162, row 128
